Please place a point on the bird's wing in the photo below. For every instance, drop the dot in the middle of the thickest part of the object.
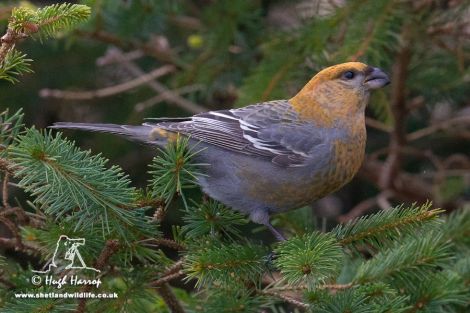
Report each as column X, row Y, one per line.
column 269, row 130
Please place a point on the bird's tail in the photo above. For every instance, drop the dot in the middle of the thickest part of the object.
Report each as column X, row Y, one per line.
column 146, row 134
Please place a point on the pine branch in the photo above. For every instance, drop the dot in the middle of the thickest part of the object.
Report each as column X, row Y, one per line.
column 385, row 226
column 109, row 249
column 14, row 64
column 38, row 305
column 310, row 259
column 66, row 180
column 345, row 301
column 60, row 17
column 10, row 126
column 174, row 170
column 226, row 299
column 212, row 218
column 170, row 299
column 457, row 228
column 169, row 243
column 284, row 298
column 173, row 272
column 404, row 261
column 117, row 56
column 108, row 91
column 48, row 21
column 166, row 279
column 213, row 262
column 437, row 291
column 10, row 243
column 43, row 23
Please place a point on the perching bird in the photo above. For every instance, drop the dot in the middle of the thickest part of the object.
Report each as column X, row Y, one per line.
column 275, row 156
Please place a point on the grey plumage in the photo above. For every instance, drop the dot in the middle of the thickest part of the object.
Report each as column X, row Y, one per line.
column 132, row 132
column 239, row 143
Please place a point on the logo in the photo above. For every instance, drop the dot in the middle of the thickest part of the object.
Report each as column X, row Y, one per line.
column 66, row 257
column 67, row 253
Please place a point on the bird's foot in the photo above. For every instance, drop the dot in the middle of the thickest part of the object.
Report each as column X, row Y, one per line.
column 279, row 236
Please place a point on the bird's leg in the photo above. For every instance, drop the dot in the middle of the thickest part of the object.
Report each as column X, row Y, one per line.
column 261, row 216
column 279, row 236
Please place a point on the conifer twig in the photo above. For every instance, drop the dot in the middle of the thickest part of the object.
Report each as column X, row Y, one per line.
column 12, row 244
column 370, row 122
column 156, row 86
column 408, row 187
column 371, row 32
column 336, row 286
column 5, row 282
column 399, row 110
column 422, row 216
column 173, row 272
column 285, row 298
column 18, row 211
column 111, row 246
column 8, row 42
column 166, row 279
column 108, row 91
column 436, row 127
column 5, row 191
column 149, row 49
column 170, row 299
column 165, row 242
column 14, row 231
column 7, row 166
column 141, row 106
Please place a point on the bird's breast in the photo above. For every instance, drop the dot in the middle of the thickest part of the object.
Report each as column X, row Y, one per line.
column 346, row 160
column 303, row 187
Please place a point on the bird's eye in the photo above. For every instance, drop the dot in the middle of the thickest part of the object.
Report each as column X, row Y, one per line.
column 348, row 75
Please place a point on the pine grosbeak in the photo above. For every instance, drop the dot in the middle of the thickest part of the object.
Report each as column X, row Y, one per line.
column 279, row 155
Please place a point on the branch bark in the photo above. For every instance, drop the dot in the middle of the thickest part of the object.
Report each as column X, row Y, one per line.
column 109, row 91
column 111, row 246
column 399, row 112
column 156, row 86
column 170, row 299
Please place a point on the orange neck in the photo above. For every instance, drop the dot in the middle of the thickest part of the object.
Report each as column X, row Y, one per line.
column 328, row 103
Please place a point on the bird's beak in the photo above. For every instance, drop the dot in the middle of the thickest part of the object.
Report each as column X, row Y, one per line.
column 376, row 79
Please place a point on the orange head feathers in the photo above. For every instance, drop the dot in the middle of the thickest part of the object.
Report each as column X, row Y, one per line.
column 338, row 93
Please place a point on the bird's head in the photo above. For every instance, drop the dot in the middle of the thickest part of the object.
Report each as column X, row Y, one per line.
column 339, row 92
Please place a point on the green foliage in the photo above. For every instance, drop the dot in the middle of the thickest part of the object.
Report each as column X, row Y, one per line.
column 213, row 263
column 398, row 263
column 173, row 171
column 39, row 306
column 41, row 23
column 48, row 21
column 457, row 229
column 381, row 228
column 10, row 127
column 226, row 300
column 212, row 218
column 310, row 259
column 57, row 18
column 439, row 291
column 15, row 64
column 73, row 185
column 133, row 295
column 46, row 238
column 376, row 298
column 346, row 301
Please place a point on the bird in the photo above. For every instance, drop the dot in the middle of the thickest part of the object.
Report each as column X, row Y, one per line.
column 275, row 156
